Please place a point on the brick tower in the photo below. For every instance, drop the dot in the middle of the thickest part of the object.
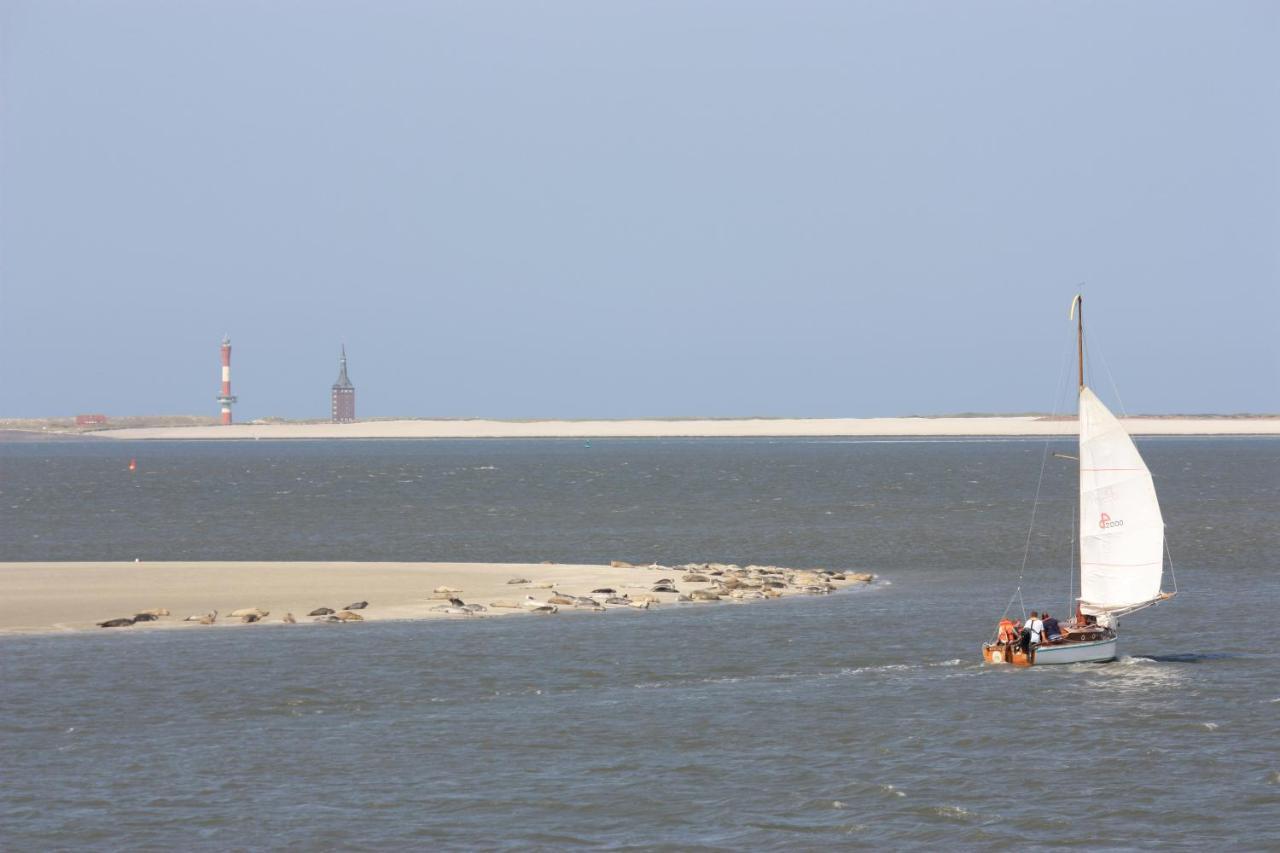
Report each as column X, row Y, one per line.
column 343, row 396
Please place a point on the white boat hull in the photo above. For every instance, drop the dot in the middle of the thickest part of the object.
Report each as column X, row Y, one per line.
column 1090, row 652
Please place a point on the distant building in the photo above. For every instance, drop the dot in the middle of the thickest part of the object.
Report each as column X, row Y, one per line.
column 343, row 397
column 90, row 420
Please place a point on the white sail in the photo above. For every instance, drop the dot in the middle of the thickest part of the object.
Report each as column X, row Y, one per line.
column 1121, row 529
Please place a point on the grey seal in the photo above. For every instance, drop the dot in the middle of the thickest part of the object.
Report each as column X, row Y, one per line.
column 321, row 611
column 359, row 605
column 116, row 623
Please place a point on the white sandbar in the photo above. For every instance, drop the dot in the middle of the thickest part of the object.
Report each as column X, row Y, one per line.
column 70, row 596
column 709, row 428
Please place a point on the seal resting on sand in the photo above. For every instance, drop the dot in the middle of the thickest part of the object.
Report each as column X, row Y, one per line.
column 288, row 619
column 321, row 611
column 245, row 611
column 359, row 605
column 116, row 623
column 519, row 580
column 512, row 604
column 159, row 611
column 561, row 599
column 348, row 616
column 250, row 617
column 145, row 617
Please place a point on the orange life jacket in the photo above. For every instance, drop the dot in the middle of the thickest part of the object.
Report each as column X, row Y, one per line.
column 1008, row 633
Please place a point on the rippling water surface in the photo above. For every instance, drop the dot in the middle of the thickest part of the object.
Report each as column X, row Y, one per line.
column 855, row 719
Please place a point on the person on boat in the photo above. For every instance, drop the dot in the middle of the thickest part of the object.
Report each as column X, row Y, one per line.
column 1032, row 631
column 1007, row 632
column 1052, row 630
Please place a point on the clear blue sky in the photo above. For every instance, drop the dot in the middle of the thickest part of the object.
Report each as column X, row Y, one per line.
column 619, row 208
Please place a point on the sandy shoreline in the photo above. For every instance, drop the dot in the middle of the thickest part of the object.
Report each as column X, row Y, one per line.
column 742, row 428
column 59, row 597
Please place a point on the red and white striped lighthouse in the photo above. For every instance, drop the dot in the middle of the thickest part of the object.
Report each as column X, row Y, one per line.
column 225, row 398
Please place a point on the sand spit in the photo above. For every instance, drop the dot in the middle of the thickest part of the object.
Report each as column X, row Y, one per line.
column 744, row 428
column 57, row 597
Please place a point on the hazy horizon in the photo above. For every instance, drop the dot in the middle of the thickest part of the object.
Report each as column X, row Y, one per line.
column 586, row 210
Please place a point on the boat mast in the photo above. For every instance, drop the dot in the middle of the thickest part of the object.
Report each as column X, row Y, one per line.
column 1079, row 306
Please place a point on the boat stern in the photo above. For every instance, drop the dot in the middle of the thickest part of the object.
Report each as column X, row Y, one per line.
column 998, row 653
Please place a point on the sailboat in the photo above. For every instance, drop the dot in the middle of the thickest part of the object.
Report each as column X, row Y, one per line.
column 1121, row 537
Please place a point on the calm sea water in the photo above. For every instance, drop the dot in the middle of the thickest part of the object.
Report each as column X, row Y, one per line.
column 860, row 719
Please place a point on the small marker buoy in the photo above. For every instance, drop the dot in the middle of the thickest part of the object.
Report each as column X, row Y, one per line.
column 133, row 464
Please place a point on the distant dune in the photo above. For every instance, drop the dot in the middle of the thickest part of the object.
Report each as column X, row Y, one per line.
column 977, row 425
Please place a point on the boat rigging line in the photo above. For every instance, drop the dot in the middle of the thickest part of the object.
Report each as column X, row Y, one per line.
column 1044, row 458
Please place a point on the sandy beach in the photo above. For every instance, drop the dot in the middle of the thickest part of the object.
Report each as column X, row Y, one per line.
column 67, row 596
column 694, row 428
